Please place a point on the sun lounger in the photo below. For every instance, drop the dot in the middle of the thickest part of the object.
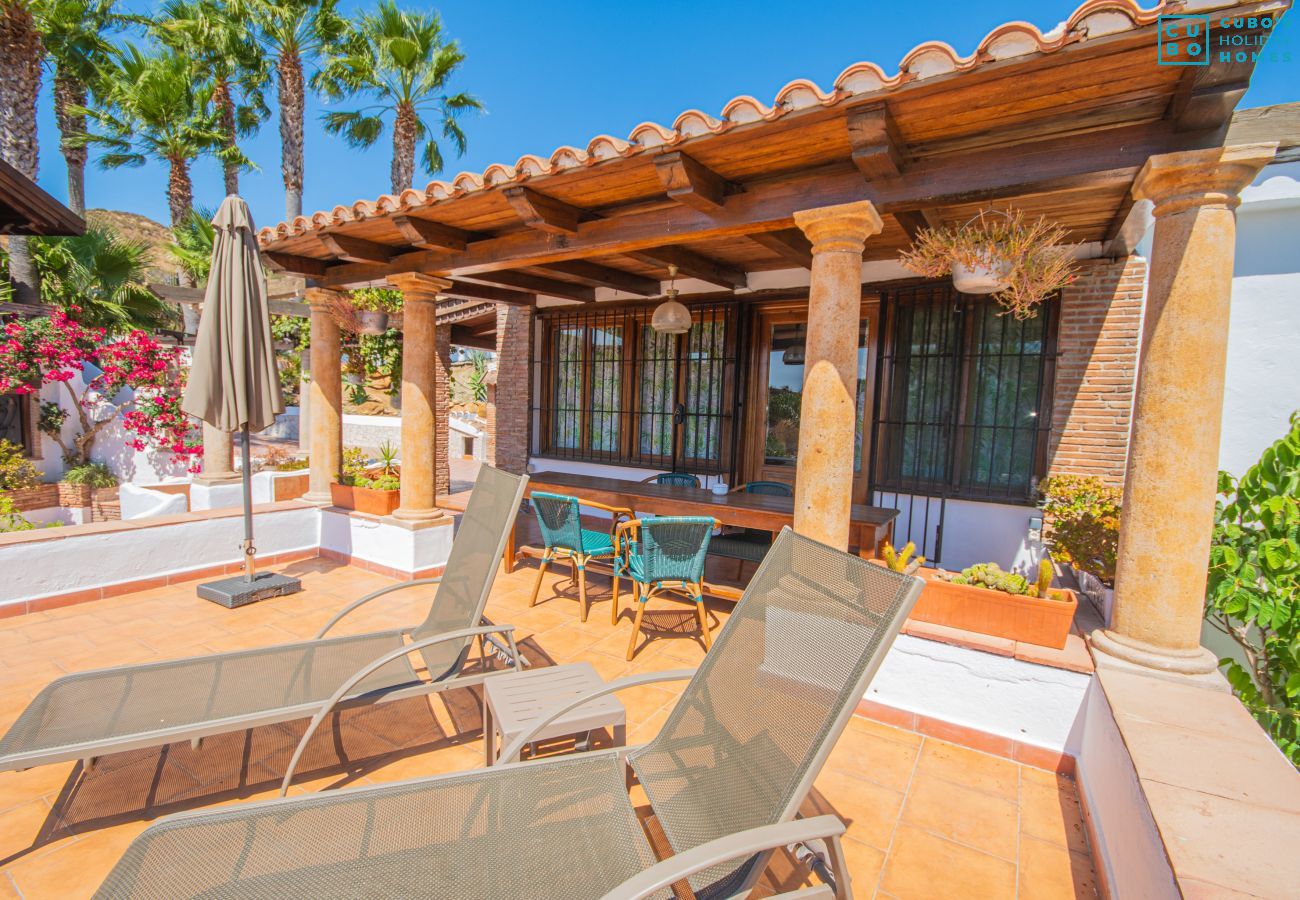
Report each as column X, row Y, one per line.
column 90, row 714
column 724, row 777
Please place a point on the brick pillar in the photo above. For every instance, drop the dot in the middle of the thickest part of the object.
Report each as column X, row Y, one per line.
column 509, row 412
column 1098, row 339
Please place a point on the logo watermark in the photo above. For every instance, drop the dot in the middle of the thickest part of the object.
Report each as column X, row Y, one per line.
column 1187, row 40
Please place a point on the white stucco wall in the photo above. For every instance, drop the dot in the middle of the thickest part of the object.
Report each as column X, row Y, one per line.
column 368, row 538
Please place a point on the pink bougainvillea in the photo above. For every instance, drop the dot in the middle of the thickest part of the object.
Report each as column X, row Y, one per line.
column 54, row 349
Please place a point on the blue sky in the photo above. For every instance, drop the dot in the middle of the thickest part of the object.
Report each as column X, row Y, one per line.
column 555, row 72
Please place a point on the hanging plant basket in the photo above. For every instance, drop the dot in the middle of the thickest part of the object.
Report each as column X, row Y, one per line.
column 1019, row 262
column 362, row 321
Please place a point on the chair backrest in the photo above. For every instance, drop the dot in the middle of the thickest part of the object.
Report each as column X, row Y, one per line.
column 673, row 548
column 472, row 565
column 776, row 488
column 685, row 479
column 559, row 516
column 754, row 726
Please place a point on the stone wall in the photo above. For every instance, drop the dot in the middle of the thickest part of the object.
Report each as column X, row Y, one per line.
column 1098, row 340
column 510, row 395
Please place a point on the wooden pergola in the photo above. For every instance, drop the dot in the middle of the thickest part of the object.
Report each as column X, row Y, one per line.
column 1081, row 125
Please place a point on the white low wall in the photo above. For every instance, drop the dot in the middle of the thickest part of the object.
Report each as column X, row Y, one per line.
column 999, row 695
column 384, row 543
column 101, row 558
column 369, row 432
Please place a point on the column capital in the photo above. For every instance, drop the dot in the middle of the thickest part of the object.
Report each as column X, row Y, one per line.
column 416, row 286
column 1214, row 177
column 844, row 227
column 319, row 298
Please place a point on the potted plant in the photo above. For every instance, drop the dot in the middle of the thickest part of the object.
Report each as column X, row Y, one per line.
column 86, row 485
column 987, row 600
column 369, row 311
column 366, row 488
column 1081, row 515
column 1019, row 262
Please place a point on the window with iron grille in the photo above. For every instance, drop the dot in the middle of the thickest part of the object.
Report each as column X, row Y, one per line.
column 964, row 394
column 614, row 390
column 13, row 419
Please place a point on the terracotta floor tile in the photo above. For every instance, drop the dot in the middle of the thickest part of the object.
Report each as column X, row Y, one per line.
column 77, row 868
column 1048, row 872
column 964, row 815
column 1051, row 813
column 924, row 866
column 885, row 762
column 865, row 864
column 565, row 641
column 888, row 732
column 7, row 889
column 970, row 768
column 21, row 826
column 871, row 811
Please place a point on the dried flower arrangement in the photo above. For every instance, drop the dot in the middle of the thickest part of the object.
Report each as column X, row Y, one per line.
column 1025, row 257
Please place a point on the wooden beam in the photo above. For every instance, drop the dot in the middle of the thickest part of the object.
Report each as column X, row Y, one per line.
column 522, row 281
column 1203, row 102
column 542, row 212
column 462, row 336
column 356, row 250
column 694, row 265
column 606, row 276
column 877, row 148
column 914, row 221
column 1103, row 159
column 790, row 245
column 1261, row 124
column 432, row 235
column 1127, row 227
column 692, row 183
column 298, row 265
column 474, row 291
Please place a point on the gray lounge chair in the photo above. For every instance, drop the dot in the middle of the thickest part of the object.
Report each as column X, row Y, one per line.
column 725, row 777
column 90, row 714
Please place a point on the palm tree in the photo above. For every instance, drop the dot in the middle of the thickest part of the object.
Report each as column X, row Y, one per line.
column 293, row 32
column 402, row 61
column 155, row 107
column 191, row 246
column 75, row 35
column 217, row 40
column 105, row 275
column 20, row 84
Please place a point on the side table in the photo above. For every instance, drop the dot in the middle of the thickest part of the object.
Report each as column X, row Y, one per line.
column 516, row 700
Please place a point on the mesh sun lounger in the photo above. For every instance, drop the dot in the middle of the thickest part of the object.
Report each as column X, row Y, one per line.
column 90, row 714
column 725, row 777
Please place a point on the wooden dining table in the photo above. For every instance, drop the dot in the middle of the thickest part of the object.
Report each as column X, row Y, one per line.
column 869, row 526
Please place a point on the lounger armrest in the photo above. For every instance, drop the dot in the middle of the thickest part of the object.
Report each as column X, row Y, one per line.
column 374, row 595
column 619, row 684
column 376, row 664
column 744, row 843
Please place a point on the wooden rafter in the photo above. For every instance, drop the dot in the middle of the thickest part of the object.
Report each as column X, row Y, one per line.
column 694, row 265
column 355, row 250
column 472, row 290
column 877, row 148
column 690, row 182
column 299, row 265
column 541, row 212
column 790, row 245
column 523, row 281
column 464, row 336
column 595, row 275
column 429, row 235
column 1127, row 228
column 1258, row 124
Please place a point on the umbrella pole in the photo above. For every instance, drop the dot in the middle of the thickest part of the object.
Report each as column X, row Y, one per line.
column 250, row 554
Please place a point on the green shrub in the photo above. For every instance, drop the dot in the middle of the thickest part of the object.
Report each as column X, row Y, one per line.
column 17, row 472
column 96, row 475
column 1082, row 514
column 1253, row 589
column 991, row 577
column 293, row 465
column 10, row 518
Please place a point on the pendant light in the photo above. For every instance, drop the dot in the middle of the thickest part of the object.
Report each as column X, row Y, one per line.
column 671, row 317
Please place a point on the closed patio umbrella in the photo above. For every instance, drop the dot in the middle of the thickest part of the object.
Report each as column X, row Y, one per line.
column 234, row 384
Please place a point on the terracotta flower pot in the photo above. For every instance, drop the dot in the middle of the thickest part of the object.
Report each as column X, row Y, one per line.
column 365, row 500
column 1033, row 620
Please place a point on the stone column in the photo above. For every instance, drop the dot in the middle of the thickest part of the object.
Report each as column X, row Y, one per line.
column 304, row 401
column 218, row 457
column 420, row 390
column 509, row 410
column 442, row 411
column 325, row 399
column 823, row 492
column 1171, row 476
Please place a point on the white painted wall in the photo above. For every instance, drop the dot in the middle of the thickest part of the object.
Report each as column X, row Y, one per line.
column 76, row 562
column 406, row 549
column 999, row 695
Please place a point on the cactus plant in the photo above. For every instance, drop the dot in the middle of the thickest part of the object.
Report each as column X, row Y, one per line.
column 902, row 562
column 1045, row 575
column 991, row 577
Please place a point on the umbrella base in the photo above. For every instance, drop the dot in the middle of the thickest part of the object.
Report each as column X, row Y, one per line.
column 235, row 591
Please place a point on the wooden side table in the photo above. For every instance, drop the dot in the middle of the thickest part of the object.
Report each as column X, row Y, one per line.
column 517, row 700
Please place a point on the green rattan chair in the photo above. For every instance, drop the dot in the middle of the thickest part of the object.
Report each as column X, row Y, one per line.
column 664, row 555
column 748, row 544
column 683, row 479
column 559, row 517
